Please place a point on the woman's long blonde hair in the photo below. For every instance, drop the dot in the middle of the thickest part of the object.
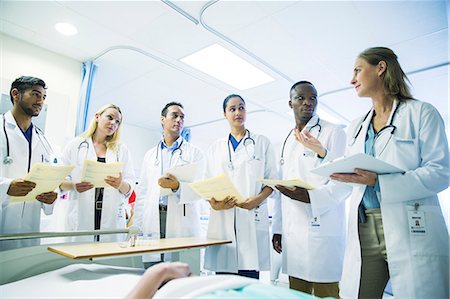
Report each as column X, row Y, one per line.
column 394, row 79
column 112, row 141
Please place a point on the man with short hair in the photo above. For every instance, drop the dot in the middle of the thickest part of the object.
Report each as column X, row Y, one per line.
column 22, row 145
column 309, row 225
column 165, row 206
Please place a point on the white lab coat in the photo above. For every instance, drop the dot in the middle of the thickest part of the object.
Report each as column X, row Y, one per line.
column 249, row 230
column 183, row 206
column 313, row 250
column 418, row 265
column 81, row 215
column 20, row 217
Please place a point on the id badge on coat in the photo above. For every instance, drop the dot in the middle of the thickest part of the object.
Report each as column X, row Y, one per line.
column 315, row 222
column 417, row 223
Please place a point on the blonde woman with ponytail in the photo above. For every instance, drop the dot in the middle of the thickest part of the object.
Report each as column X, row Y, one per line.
column 99, row 208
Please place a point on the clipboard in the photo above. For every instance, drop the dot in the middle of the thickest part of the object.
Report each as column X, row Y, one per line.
column 348, row 164
column 287, row 183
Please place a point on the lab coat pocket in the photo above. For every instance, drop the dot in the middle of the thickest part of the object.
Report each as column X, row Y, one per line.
column 254, row 171
column 403, row 147
column 427, row 232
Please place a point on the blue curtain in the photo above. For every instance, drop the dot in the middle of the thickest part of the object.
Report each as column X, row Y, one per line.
column 89, row 69
column 186, row 133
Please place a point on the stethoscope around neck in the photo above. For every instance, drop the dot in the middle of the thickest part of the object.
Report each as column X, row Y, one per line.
column 86, row 144
column 319, row 128
column 389, row 126
column 247, row 141
column 7, row 160
column 159, row 149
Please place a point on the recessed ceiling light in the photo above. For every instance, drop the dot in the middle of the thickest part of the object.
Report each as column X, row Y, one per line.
column 227, row 67
column 66, row 28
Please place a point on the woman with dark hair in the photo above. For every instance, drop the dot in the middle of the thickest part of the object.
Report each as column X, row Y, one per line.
column 245, row 157
column 396, row 227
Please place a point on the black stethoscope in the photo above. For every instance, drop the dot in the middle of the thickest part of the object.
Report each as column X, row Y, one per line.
column 247, row 141
column 389, row 126
column 177, row 149
column 319, row 128
column 9, row 160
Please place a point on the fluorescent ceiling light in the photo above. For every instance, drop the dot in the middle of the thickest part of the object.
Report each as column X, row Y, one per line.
column 226, row 66
column 66, row 28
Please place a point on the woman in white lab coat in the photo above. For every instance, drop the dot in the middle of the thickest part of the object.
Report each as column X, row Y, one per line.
column 99, row 208
column 401, row 233
column 244, row 157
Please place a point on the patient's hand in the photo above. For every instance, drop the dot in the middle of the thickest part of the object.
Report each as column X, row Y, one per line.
column 174, row 270
column 157, row 275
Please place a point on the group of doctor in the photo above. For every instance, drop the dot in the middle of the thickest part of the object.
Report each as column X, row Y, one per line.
column 395, row 227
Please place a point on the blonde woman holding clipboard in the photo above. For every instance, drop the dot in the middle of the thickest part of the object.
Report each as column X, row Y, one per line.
column 401, row 233
column 99, row 208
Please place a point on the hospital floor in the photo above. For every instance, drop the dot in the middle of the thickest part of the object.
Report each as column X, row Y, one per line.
column 283, row 281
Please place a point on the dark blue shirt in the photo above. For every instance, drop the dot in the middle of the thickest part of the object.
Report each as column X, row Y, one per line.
column 234, row 142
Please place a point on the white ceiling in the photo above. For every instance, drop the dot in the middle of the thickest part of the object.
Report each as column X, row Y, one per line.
column 291, row 40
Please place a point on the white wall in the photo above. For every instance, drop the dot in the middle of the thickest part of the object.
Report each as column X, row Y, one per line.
column 63, row 78
column 139, row 141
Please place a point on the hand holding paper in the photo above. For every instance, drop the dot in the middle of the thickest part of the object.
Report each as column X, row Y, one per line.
column 96, row 172
column 361, row 161
column 360, row 176
column 219, row 188
column 169, row 182
column 19, row 187
column 227, row 203
column 46, row 179
column 295, row 193
column 175, row 175
column 286, row 183
column 184, row 173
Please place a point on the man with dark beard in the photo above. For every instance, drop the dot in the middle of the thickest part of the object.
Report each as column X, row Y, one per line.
column 22, row 145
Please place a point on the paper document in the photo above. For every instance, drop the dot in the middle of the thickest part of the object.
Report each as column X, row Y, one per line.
column 348, row 164
column 184, row 173
column 96, row 172
column 218, row 187
column 47, row 179
column 287, row 183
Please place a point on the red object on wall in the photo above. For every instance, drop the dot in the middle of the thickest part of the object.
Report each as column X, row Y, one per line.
column 132, row 198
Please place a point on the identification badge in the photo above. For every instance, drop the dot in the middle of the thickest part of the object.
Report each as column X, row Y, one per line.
column 417, row 224
column 257, row 215
column 309, row 154
column 315, row 221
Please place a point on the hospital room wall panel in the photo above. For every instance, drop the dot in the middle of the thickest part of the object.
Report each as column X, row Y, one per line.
column 139, row 140
column 63, row 78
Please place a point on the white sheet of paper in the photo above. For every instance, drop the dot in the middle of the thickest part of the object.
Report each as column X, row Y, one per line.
column 96, row 172
column 348, row 164
column 218, row 187
column 47, row 178
column 184, row 173
column 287, row 183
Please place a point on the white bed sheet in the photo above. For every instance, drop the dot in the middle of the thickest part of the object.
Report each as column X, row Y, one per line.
column 76, row 281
